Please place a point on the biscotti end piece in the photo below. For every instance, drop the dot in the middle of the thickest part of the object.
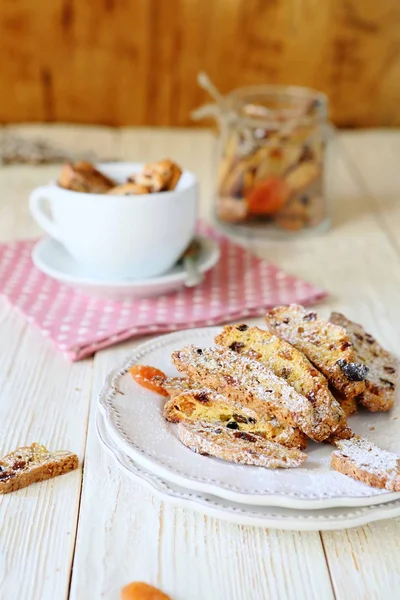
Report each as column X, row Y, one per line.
column 291, row 365
column 31, row 464
column 362, row 460
column 381, row 382
column 249, row 382
column 326, row 345
column 238, row 446
column 203, row 404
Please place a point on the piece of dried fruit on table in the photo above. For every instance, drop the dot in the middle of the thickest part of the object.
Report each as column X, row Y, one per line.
column 149, row 378
column 267, row 197
column 138, row 590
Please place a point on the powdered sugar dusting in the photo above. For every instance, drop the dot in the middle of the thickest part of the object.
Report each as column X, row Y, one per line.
column 237, row 446
column 242, row 377
column 366, row 455
column 242, row 417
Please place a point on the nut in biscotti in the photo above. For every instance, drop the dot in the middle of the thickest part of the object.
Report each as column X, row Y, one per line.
column 362, row 460
column 249, row 382
column 326, row 345
column 203, row 404
column 289, row 364
column 31, row 464
column 238, row 446
column 380, row 385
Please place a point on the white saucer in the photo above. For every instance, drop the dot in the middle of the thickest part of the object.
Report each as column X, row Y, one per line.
column 50, row 257
column 135, row 421
column 263, row 516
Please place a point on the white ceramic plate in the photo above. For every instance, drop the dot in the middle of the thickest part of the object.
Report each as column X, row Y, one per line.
column 51, row 258
column 135, row 420
column 263, row 516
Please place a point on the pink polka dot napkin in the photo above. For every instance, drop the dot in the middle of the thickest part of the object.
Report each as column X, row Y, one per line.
column 239, row 286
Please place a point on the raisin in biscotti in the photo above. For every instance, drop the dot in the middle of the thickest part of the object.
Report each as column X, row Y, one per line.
column 31, row 464
column 290, row 364
column 362, row 460
column 210, row 407
column 249, row 382
column 380, row 385
column 238, row 446
column 326, row 345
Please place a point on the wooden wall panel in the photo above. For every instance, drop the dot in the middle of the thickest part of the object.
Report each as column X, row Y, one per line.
column 122, row 62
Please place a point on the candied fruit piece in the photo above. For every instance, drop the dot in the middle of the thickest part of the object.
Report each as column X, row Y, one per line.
column 267, row 197
column 145, row 376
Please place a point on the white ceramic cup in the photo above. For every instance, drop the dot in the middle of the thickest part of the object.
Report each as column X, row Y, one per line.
column 120, row 236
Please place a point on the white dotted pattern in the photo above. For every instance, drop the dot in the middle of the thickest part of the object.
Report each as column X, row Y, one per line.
column 239, row 286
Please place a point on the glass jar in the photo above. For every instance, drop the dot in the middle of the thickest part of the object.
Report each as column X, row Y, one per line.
column 272, row 154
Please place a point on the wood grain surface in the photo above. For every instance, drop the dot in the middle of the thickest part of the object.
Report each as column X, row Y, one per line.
column 85, row 535
column 136, row 61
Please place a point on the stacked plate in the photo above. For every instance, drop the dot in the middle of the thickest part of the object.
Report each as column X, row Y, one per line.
column 131, row 426
column 50, row 257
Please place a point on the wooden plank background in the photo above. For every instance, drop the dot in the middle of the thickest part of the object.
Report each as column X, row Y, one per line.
column 134, row 62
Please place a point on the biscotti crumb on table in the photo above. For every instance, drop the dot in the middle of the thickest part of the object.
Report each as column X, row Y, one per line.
column 31, row 464
column 138, row 590
column 380, row 385
column 362, row 460
column 249, row 382
column 238, row 446
column 290, row 364
column 326, row 345
column 203, row 404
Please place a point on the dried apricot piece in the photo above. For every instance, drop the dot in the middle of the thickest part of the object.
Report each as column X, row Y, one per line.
column 145, row 376
column 268, row 196
column 142, row 591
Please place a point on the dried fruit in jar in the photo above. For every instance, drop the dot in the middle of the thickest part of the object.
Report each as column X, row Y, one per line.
column 138, row 590
column 149, row 378
column 267, row 197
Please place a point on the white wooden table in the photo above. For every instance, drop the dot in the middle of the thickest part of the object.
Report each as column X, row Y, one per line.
column 85, row 535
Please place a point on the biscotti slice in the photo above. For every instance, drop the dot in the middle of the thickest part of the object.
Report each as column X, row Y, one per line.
column 326, row 345
column 249, row 382
column 210, row 407
column 290, row 364
column 362, row 460
column 238, row 446
column 30, row 464
column 380, row 385
column 176, row 385
column 84, row 177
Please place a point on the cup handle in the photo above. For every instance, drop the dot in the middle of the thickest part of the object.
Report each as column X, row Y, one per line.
column 37, row 200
